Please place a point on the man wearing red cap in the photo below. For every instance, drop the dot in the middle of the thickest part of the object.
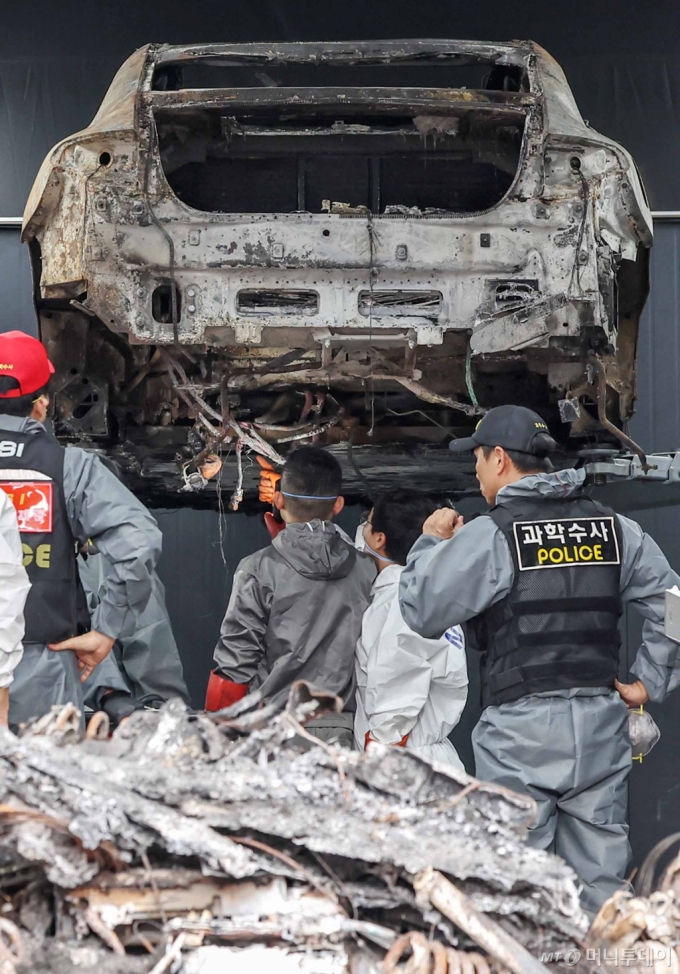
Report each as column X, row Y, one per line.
column 63, row 497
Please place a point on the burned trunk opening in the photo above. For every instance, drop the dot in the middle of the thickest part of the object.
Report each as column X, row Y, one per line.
column 287, row 163
column 441, row 70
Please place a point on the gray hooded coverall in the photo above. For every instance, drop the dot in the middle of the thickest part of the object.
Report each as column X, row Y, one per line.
column 295, row 614
column 568, row 749
column 145, row 652
column 101, row 508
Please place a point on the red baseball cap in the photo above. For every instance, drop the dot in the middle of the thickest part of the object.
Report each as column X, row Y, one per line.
column 25, row 359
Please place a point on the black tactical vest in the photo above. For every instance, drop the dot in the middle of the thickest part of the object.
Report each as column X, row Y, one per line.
column 32, row 474
column 557, row 629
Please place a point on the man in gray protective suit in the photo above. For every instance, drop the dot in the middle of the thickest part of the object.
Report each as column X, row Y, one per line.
column 63, row 497
column 296, row 606
column 541, row 580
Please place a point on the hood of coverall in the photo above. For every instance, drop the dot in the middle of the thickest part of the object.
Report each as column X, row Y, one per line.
column 316, row 549
column 316, row 588
column 560, row 483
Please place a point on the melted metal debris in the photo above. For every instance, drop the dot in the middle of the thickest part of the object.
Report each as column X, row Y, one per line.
column 189, row 843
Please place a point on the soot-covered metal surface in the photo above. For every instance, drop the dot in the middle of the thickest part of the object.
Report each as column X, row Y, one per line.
column 366, row 243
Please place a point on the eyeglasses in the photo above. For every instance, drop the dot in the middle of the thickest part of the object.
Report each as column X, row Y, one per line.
column 365, row 518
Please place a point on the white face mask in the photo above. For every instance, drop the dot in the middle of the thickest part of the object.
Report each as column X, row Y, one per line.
column 361, row 544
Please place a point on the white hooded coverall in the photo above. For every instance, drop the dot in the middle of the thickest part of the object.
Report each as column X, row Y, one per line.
column 407, row 684
column 14, row 586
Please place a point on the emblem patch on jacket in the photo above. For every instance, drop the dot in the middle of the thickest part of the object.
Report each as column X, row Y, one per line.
column 34, row 503
column 455, row 637
column 566, row 542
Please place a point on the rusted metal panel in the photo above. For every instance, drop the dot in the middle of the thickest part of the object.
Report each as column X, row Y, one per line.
column 351, row 52
column 439, row 101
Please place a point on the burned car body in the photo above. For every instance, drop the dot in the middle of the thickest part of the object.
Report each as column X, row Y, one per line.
column 367, row 243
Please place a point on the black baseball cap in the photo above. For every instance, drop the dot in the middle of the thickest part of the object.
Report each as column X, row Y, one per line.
column 512, row 427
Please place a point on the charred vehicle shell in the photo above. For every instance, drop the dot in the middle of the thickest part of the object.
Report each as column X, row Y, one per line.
column 364, row 243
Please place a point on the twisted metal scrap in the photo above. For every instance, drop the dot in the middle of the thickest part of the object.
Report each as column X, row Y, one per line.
column 626, row 921
column 434, row 888
column 431, row 957
column 12, row 947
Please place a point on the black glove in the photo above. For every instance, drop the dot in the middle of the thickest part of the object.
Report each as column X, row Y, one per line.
column 118, row 705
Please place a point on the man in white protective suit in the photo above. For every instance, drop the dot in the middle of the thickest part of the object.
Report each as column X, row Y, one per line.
column 411, row 691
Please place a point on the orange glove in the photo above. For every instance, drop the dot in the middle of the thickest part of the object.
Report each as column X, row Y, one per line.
column 369, row 740
column 223, row 693
column 269, row 480
column 273, row 526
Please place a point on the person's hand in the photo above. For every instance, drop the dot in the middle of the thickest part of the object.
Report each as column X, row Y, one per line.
column 90, row 648
column 632, row 694
column 443, row 523
column 269, row 480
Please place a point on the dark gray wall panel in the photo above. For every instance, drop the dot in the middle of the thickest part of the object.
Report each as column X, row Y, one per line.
column 200, row 553
column 655, row 783
column 41, row 102
column 657, row 420
column 594, row 28
column 16, row 289
column 634, row 100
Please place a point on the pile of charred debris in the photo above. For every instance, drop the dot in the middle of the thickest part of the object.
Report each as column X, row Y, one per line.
column 238, row 842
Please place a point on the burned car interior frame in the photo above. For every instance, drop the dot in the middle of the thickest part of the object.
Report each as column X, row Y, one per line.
column 359, row 245
column 319, row 102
